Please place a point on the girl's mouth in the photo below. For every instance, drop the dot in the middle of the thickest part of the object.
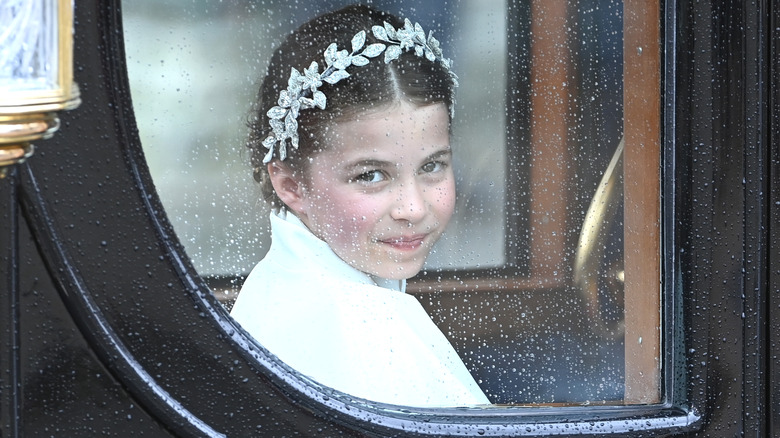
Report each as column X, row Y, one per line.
column 405, row 243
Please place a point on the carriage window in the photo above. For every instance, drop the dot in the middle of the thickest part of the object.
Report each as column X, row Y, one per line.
column 547, row 279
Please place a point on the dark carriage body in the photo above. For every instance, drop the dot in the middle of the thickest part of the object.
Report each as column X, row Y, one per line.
column 108, row 329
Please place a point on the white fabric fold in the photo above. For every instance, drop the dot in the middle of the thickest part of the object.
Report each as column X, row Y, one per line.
column 333, row 323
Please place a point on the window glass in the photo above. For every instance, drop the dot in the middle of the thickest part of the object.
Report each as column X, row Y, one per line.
column 193, row 126
column 531, row 282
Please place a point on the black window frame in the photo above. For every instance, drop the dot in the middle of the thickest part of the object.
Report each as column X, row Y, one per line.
column 381, row 418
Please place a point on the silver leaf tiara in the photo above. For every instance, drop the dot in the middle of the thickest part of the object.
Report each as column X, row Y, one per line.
column 302, row 88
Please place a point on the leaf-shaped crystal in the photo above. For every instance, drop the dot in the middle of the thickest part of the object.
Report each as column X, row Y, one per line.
column 330, row 54
column 276, row 112
column 295, row 105
column 269, row 141
column 306, row 103
column 379, row 32
column 319, row 99
column 284, row 99
column 269, row 156
column 358, row 41
column 278, row 126
column 390, row 30
column 419, row 34
column 290, row 125
column 336, row 76
column 294, row 140
column 433, row 44
column 392, row 53
column 294, row 83
column 359, row 60
column 375, row 49
column 282, row 150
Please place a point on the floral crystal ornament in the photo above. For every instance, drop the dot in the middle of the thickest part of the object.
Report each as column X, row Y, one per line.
column 302, row 88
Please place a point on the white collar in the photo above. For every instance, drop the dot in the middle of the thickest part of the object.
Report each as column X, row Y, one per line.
column 301, row 245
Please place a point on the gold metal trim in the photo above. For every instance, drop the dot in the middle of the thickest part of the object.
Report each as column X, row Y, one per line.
column 40, row 102
column 26, row 116
column 22, row 128
column 14, row 154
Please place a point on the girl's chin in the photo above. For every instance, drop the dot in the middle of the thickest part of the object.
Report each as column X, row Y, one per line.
column 402, row 272
column 392, row 266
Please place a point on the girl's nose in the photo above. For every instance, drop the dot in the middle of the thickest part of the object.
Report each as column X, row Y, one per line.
column 410, row 204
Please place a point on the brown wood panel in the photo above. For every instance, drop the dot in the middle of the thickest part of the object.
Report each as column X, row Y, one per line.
column 550, row 60
column 642, row 116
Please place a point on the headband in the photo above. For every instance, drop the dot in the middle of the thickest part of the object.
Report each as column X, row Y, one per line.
column 302, row 88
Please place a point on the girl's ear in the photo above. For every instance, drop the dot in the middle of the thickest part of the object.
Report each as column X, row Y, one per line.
column 287, row 186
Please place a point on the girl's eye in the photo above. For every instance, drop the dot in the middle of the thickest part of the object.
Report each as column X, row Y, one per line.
column 372, row 176
column 434, row 166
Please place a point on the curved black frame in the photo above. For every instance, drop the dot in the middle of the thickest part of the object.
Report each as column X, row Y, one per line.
column 144, row 315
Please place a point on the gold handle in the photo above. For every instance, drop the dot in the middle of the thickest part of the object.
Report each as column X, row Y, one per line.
column 590, row 248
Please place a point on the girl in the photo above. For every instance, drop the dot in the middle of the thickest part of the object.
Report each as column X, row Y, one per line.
column 353, row 154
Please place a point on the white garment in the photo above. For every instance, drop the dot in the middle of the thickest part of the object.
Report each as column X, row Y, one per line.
column 334, row 324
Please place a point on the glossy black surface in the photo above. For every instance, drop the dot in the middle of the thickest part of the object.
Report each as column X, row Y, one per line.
column 773, row 291
column 107, row 329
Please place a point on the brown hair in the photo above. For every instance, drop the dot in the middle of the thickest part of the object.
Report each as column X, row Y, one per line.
column 374, row 85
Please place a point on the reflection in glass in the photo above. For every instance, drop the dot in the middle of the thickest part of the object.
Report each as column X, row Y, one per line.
column 539, row 116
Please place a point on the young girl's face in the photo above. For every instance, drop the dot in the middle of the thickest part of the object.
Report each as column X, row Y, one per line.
column 383, row 190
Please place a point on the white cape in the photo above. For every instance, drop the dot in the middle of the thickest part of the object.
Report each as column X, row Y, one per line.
column 336, row 325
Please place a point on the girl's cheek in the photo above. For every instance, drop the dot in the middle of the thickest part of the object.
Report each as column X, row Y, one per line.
column 446, row 198
column 353, row 216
